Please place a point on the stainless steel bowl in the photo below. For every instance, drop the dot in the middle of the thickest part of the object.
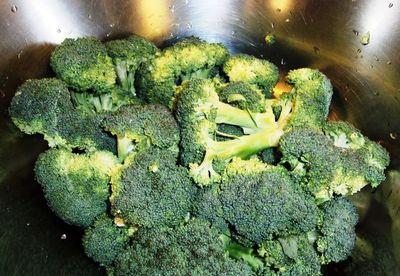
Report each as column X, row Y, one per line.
column 319, row 34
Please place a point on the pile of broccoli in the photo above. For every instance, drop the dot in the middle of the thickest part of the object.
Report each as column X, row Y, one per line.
column 181, row 161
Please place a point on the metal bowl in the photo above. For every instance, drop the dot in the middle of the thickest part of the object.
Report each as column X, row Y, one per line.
column 310, row 33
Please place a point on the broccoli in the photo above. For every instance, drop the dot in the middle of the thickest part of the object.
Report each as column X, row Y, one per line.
column 199, row 111
column 75, row 186
column 262, row 205
column 191, row 249
column 190, row 58
column 127, row 55
column 84, row 64
column 252, row 70
column 139, row 126
column 151, row 190
column 104, row 240
column 44, row 107
column 344, row 135
column 337, row 234
column 324, row 169
column 244, row 96
column 293, row 255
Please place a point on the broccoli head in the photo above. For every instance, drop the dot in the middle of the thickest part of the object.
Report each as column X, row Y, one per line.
column 259, row 206
column 127, row 55
column 190, row 58
column 324, row 169
column 375, row 157
column 75, row 186
column 293, row 255
column 104, row 240
column 84, row 64
column 138, row 127
column 244, row 96
column 337, row 234
column 249, row 69
column 44, row 107
column 151, row 190
column 194, row 248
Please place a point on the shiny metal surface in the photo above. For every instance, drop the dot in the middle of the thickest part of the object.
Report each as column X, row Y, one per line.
column 320, row 34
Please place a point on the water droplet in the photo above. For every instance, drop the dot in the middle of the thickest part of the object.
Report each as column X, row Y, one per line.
column 389, row 62
column 112, row 25
column 261, row 56
column 89, row 16
column 283, row 62
column 356, row 32
column 358, row 50
column 171, row 35
column 376, row 58
column 233, row 32
column 376, row 93
column 58, row 30
column 189, row 26
column 28, row 224
column 186, row 2
column 2, row 94
column 172, row 8
column 19, row 54
column 287, row 20
column 278, row 10
column 371, row 66
column 14, row 8
column 393, row 135
column 63, row 236
column 108, row 35
column 317, row 50
column 7, row 77
column 272, row 25
column 390, row 5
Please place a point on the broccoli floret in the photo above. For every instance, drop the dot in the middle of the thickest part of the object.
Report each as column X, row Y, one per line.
column 345, row 135
column 84, row 64
column 188, row 59
column 151, row 190
column 249, row 69
column 337, row 230
column 199, row 111
column 262, row 205
column 244, row 96
column 293, row 255
column 140, row 126
column 75, row 186
column 324, row 169
column 313, row 92
column 191, row 249
column 44, row 107
column 127, row 55
column 90, row 103
column 104, row 240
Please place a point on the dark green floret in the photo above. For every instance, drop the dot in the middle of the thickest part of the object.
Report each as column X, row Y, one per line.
column 76, row 187
column 84, row 64
column 191, row 249
column 141, row 126
column 127, row 55
column 151, row 190
column 337, row 234
column 44, row 107
column 104, row 240
column 190, row 58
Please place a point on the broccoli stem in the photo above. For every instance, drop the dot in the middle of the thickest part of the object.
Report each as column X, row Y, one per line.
column 240, row 252
column 126, row 77
column 246, row 145
column 228, row 114
column 124, row 147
